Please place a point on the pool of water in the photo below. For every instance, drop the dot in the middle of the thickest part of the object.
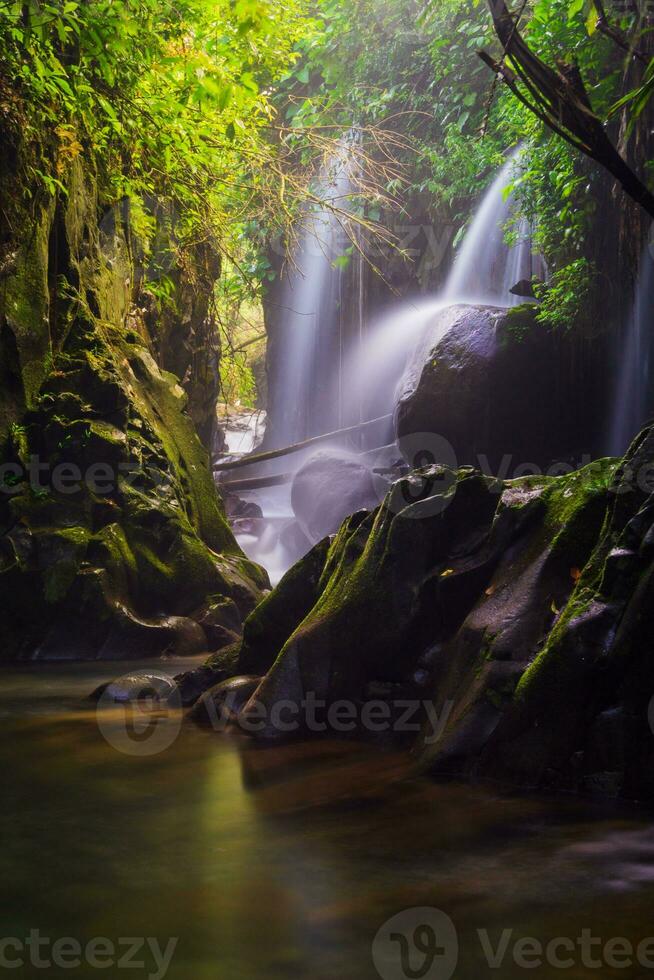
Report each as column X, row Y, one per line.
column 285, row 862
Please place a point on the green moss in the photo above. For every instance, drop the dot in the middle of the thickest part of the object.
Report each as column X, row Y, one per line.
column 566, row 495
column 577, row 516
column 61, row 552
column 518, row 323
column 157, row 543
column 24, row 305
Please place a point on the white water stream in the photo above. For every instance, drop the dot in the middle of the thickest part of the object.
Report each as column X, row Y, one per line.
column 322, row 379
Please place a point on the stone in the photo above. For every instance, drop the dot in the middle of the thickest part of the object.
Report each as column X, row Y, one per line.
column 136, row 687
column 221, row 705
column 525, row 288
column 328, row 488
column 484, row 388
column 280, row 612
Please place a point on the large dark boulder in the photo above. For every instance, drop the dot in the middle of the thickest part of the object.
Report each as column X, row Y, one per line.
column 490, row 383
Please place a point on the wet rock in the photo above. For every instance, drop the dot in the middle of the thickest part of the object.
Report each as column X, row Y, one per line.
column 372, row 618
column 222, row 704
column 280, row 612
column 487, row 391
column 222, row 624
column 525, row 288
column 236, row 507
column 219, row 667
column 136, row 687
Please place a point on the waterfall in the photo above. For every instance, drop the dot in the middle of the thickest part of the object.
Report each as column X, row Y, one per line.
column 484, row 271
column 331, row 369
column 306, row 377
column 633, row 403
column 486, row 268
column 328, row 371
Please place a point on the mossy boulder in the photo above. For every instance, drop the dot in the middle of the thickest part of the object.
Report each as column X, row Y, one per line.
column 388, row 585
column 581, row 716
column 281, row 611
column 517, row 613
column 554, row 525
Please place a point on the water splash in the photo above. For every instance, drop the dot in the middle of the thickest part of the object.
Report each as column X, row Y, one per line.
column 372, row 373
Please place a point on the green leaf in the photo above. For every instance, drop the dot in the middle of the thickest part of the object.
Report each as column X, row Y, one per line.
column 575, row 7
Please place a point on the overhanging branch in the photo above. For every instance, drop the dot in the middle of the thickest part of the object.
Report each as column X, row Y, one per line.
column 559, row 99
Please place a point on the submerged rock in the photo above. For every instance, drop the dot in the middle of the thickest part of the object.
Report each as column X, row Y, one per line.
column 136, row 687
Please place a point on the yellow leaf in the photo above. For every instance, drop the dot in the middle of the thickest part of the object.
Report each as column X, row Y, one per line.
column 448, row 571
column 592, row 21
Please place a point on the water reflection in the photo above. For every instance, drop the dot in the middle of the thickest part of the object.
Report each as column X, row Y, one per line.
column 284, row 862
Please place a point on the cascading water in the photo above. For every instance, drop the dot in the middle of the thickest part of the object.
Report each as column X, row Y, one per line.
column 331, row 373
column 633, row 402
column 307, row 372
column 484, row 272
column 486, row 268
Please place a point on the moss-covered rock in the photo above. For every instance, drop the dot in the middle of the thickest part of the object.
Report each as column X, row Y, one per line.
column 272, row 622
column 581, row 715
column 114, row 540
column 392, row 580
column 519, row 614
column 518, row 610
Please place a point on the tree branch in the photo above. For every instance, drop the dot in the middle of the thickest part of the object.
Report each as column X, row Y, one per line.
column 616, row 35
column 559, row 99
